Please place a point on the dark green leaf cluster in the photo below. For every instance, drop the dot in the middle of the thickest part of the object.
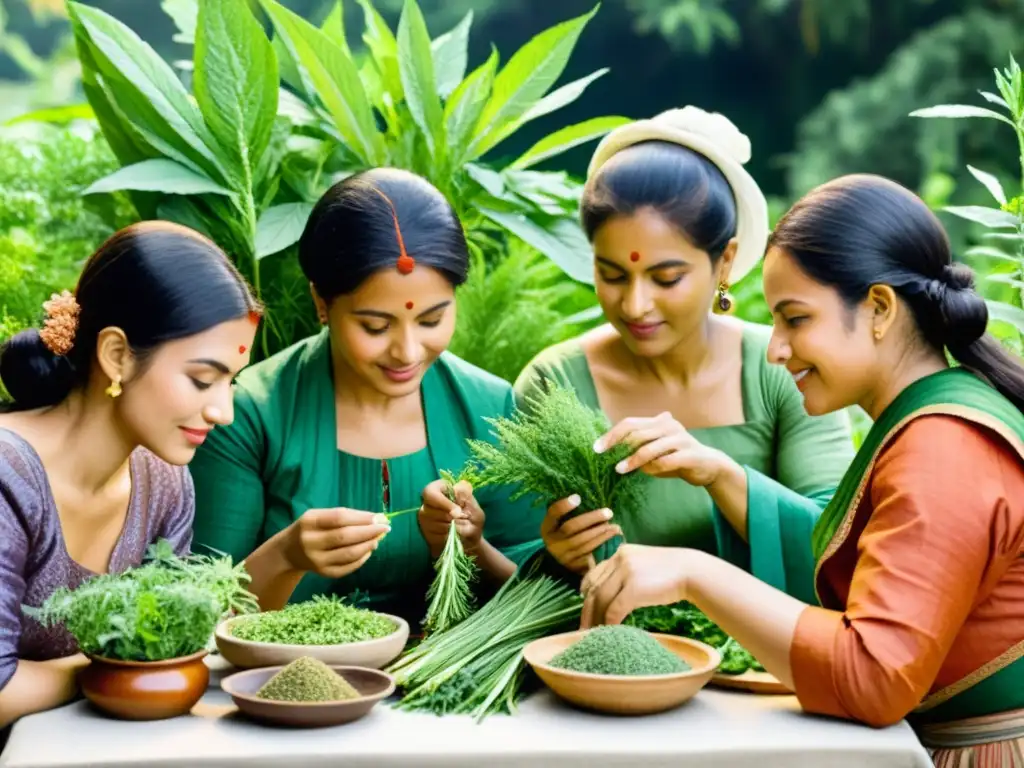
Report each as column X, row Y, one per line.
column 323, row 620
column 619, row 650
column 163, row 609
column 547, row 450
column 476, row 667
column 686, row 620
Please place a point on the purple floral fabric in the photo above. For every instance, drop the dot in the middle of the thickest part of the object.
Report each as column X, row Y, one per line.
column 34, row 560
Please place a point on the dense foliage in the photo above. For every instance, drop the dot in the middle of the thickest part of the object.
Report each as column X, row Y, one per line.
column 164, row 609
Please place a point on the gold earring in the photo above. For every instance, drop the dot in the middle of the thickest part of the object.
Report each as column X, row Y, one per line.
column 114, row 390
column 878, row 334
column 724, row 301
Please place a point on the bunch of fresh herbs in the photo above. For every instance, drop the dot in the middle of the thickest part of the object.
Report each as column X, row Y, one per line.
column 476, row 667
column 547, row 450
column 323, row 620
column 686, row 620
column 451, row 593
column 164, row 609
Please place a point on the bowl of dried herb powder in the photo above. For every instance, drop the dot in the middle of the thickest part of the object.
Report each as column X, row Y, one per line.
column 621, row 669
column 308, row 693
column 324, row 628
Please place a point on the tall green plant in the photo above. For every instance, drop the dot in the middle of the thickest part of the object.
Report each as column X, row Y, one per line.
column 210, row 159
column 1005, row 219
column 411, row 104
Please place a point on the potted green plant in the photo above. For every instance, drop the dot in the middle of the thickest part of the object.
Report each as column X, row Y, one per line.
column 147, row 630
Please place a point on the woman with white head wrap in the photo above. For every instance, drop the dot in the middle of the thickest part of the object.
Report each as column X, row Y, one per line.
column 674, row 218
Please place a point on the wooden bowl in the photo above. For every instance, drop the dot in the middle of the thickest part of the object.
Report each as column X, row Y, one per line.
column 372, row 654
column 624, row 694
column 145, row 690
column 373, row 684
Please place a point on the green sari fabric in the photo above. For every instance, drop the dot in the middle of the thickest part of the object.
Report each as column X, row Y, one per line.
column 279, row 458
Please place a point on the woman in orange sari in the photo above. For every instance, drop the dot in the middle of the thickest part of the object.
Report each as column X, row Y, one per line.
column 918, row 560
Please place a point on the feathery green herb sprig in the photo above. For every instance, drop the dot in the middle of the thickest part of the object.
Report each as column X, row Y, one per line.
column 451, row 593
column 547, row 449
column 164, row 609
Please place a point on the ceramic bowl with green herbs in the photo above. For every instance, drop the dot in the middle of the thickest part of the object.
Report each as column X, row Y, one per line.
column 324, row 628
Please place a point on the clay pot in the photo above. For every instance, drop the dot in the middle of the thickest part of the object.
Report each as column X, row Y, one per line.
column 145, row 690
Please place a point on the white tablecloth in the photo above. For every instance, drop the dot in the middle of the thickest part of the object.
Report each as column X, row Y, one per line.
column 714, row 730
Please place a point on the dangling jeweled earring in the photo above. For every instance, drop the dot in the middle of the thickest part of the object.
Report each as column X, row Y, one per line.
column 723, row 301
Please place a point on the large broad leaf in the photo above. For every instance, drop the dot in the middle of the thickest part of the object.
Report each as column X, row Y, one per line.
column 416, row 67
column 334, row 27
column 56, row 115
column 462, row 112
column 991, row 184
column 336, row 80
column 531, row 71
column 562, row 241
column 567, row 138
column 146, row 90
column 280, row 227
column 158, row 175
column 182, row 210
column 236, row 84
column 184, row 14
column 384, row 49
column 558, row 98
column 451, row 56
column 1006, row 313
column 957, row 111
column 990, row 217
column 1006, row 280
column 987, row 252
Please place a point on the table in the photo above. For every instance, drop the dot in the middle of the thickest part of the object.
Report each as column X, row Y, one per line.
column 716, row 729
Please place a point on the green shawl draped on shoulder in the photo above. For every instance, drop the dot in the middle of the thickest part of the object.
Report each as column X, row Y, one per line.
column 953, row 392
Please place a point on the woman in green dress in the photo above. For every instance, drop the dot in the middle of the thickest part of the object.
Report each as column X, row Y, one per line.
column 337, row 431
column 673, row 218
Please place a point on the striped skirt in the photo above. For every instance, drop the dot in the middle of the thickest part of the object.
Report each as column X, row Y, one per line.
column 993, row 741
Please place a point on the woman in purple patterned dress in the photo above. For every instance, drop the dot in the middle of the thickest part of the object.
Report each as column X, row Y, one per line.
column 111, row 398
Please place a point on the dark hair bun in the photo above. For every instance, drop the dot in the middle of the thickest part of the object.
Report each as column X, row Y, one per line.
column 31, row 373
column 963, row 311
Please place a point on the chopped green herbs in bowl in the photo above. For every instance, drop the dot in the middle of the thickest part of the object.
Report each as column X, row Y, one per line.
column 324, row 628
column 622, row 670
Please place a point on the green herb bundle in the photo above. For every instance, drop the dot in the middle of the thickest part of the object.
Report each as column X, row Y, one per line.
column 547, row 449
column 476, row 667
column 164, row 609
column 686, row 620
column 451, row 593
column 323, row 620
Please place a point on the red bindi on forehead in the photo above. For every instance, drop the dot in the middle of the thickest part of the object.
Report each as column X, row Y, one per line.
column 241, row 349
column 409, row 305
column 634, row 256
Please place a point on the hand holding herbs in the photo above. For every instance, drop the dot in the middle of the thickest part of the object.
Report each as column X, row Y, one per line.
column 661, row 447
column 573, row 542
column 547, row 450
column 447, row 504
column 451, row 593
column 333, row 542
column 320, row 621
column 164, row 609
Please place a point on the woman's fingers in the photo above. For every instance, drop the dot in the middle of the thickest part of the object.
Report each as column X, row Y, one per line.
column 586, row 542
column 648, row 453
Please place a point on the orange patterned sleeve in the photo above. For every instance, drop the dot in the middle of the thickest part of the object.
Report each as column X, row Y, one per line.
column 941, row 523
